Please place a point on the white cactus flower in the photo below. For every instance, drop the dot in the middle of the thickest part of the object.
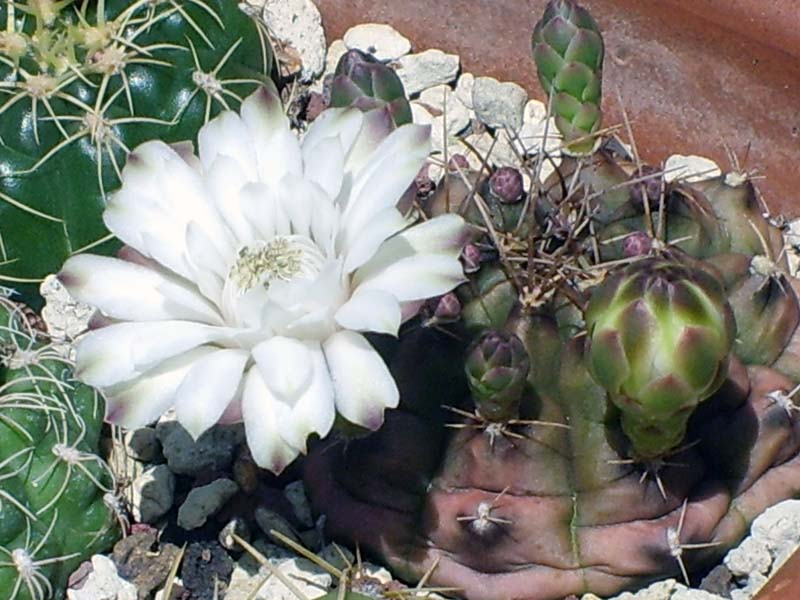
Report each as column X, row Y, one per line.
column 251, row 270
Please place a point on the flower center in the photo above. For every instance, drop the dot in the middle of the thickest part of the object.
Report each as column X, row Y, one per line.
column 283, row 258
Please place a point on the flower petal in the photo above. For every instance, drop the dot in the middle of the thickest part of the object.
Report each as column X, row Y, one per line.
column 370, row 310
column 300, row 199
column 342, row 123
column 122, row 351
column 224, row 179
column 261, row 208
column 285, row 365
column 314, row 411
column 324, row 165
column 362, row 384
column 207, row 389
column 136, row 403
column 362, row 247
column 202, row 253
column 444, row 235
column 377, row 126
column 124, row 290
column 160, row 194
column 227, row 135
column 277, row 148
column 415, row 277
column 387, row 174
column 262, row 429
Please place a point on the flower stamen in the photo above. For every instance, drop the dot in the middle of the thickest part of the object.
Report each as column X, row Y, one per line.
column 278, row 259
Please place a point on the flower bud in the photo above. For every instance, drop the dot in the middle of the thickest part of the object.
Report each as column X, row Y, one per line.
column 497, row 368
column 506, row 185
column 660, row 334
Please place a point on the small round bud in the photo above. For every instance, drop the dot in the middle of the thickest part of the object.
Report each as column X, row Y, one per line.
column 637, row 243
column 471, row 258
column 448, row 308
column 506, row 184
column 457, row 162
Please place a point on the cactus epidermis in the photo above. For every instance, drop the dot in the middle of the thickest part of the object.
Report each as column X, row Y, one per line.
column 56, row 493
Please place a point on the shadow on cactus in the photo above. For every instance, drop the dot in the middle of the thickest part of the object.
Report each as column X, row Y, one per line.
column 81, row 83
column 615, row 405
column 57, row 503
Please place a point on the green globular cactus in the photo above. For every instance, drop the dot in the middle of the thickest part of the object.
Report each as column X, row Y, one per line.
column 568, row 51
column 362, row 81
column 660, row 337
column 81, row 83
column 57, row 503
column 659, row 415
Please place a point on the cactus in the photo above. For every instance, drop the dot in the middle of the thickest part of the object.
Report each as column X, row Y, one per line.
column 81, row 83
column 657, row 418
column 568, row 50
column 362, row 81
column 57, row 496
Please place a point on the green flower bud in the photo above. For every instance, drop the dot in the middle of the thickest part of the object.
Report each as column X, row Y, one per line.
column 362, row 81
column 568, row 51
column 497, row 368
column 660, row 334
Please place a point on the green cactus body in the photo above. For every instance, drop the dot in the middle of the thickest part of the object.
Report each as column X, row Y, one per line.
column 660, row 337
column 85, row 82
column 362, row 81
column 56, row 497
column 568, row 50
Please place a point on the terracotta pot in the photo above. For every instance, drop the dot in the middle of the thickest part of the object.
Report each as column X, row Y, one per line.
column 695, row 76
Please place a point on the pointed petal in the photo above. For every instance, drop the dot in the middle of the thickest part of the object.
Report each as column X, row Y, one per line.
column 285, row 365
column 315, row 410
column 370, row 310
column 386, row 176
column 377, row 126
column 207, row 389
column 124, row 290
column 300, row 199
column 123, row 351
column 362, row 384
column 227, row 135
column 415, row 277
column 136, row 403
column 262, row 429
column 362, row 247
column 341, row 123
column 277, row 148
column 224, row 179
column 203, row 254
column 324, row 165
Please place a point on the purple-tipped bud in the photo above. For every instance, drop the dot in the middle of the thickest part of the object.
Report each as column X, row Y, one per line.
column 471, row 258
column 448, row 308
column 362, row 81
column 637, row 243
column 497, row 368
column 423, row 184
column 457, row 162
column 506, row 184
